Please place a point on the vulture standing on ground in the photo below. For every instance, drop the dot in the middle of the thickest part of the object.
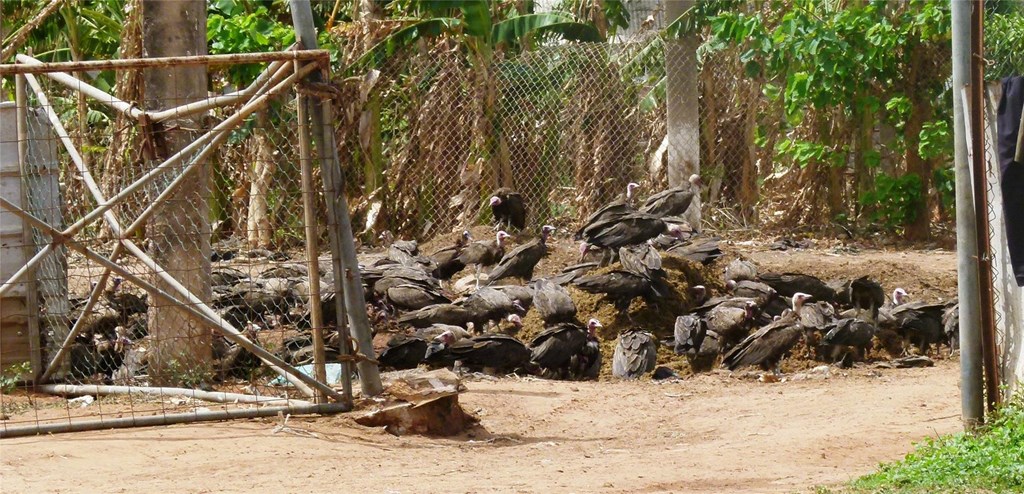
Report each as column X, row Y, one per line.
column 484, row 253
column 849, row 333
column 508, row 209
column 636, row 354
column 766, row 346
column 519, row 262
column 447, row 259
column 561, row 350
column 920, row 323
column 951, row 324
column 674, row 201
column 700, row 346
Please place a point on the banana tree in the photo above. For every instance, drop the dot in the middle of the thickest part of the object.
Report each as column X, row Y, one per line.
column 481, row 30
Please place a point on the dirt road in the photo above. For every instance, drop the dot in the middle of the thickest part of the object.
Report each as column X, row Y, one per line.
column 709, row 433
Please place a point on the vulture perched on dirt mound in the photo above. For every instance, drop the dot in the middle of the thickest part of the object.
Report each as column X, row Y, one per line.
column 674, row 201
column 562, row 351
column 766, row 346
column 452, row 314
column 508, row 209
column 494, row 353
column 553, row 303
column 484, row 252
column 519, row 262
column 447, row 259
column 789, row 284
column 704, row 251
column 740, row 270
column 488, row 304
column 403, row 352
column 636, row 354
column 863, row 294
column 731, row 321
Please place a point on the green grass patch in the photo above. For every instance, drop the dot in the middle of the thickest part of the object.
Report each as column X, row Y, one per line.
column 989, row 461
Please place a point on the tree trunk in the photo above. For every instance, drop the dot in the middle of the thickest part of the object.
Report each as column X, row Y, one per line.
column 179, row 231
column 920, row 228
column 683, row 115
column 259, row 231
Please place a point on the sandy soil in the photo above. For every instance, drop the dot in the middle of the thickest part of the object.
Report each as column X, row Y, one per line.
column 707, row 433
column 710, row 433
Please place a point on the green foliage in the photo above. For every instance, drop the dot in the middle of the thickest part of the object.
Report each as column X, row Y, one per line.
column 1004, row 37
column 991, row 460
column 895, row 200
column 804, row 153
column 234, row 26
column 945, row 186
column 11, row 376
column 186, row 375
column 936, row 140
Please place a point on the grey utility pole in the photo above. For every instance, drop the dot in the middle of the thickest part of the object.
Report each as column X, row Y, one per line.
column 340, row 224
column 971, row 385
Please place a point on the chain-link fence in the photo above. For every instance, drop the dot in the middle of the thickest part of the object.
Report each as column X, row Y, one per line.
column 1007, row 297
column 568, row 125
column 165, row 244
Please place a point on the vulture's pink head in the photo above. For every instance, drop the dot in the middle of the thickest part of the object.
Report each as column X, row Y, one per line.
column 466, row 235
column 899, row 296
column 798, row 300
column 495, row 201
column 751, row 309
column 592, row 326
column 699, row 291
column 501, row 236
column 447, row 337
column 515, row 320
column 696, row 180
column 584, row 247
column 675, row 231
column 630, row 187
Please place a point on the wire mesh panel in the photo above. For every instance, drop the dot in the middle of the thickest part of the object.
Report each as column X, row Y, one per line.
column 172, row 266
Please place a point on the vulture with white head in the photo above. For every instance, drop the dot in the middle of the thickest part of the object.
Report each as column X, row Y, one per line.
column 508, row 209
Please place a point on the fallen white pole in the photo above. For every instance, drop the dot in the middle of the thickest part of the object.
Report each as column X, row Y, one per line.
column 212, row 396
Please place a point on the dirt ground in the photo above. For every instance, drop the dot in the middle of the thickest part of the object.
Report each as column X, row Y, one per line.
column 715, row 432
column 712, row 433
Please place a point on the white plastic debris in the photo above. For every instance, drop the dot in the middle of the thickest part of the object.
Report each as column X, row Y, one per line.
column 82, row 401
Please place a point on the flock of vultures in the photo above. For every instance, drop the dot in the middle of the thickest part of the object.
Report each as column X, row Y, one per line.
column 739, row 317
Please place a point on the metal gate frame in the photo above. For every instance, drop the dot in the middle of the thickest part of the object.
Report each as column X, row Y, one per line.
column 285, row 70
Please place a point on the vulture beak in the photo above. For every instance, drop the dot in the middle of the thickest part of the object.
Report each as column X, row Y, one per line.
column 584, row 247
column 495, row 200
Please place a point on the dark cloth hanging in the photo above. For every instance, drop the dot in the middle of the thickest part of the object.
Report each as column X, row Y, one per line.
column 1008, row 123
